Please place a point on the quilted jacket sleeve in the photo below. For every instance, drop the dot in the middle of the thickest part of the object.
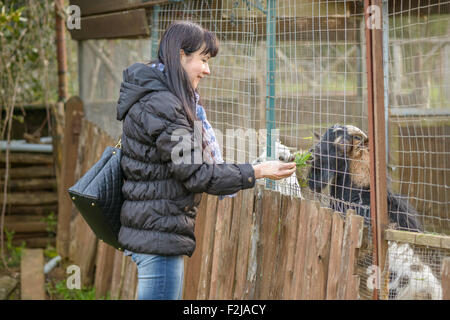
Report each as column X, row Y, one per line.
column 175, row 143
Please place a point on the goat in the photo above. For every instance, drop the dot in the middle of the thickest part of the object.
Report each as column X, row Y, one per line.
column 341, row 160
column 409, row 278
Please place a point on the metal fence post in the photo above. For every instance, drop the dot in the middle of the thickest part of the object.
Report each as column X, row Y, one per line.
column 270, row 81
column 155, row 35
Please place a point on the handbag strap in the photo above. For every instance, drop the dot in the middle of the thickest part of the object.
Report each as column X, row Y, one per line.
column 119, row 143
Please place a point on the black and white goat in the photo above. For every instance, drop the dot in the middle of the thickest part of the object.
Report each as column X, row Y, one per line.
column 341, row 160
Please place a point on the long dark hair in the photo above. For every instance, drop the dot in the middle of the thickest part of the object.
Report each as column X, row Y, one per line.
column 190, row 37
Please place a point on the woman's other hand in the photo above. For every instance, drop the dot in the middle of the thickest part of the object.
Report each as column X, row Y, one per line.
column 274, row 170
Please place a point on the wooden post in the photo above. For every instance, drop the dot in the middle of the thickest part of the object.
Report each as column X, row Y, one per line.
column 446, row 279
column 32, row 275
column 61, row 50
column 72, row 130
column 377, row 141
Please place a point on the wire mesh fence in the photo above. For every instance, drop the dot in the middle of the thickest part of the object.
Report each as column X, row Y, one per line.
column 419, row 103
column 300, row 67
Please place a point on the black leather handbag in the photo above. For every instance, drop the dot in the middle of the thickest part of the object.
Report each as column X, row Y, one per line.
column 98, row 196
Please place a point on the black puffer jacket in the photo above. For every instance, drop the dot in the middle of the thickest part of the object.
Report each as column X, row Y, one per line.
column 161, row 197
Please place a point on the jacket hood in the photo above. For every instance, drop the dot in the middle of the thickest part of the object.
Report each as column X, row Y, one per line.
column 138, row 80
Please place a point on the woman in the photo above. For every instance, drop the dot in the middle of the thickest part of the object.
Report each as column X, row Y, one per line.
column 163, row 182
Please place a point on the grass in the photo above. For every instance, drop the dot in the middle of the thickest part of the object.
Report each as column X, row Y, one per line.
column 58, row 291
column 301, row 161
column 13, row 253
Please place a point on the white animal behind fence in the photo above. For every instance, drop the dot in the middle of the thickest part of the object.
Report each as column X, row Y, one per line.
column 409, row 277
column 287, row 186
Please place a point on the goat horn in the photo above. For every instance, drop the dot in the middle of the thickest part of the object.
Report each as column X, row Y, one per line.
column 354, row 131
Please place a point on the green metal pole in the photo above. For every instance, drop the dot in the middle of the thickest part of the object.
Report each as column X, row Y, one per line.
column 155, row 35
column 270, row 82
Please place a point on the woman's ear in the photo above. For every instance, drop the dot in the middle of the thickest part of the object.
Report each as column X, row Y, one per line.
column 182, row 57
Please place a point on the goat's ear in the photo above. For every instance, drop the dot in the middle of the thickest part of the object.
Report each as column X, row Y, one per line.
column 317, row 135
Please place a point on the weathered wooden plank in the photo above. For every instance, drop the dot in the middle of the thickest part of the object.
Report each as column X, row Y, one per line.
column 27, row 158
column 40, row 241
column 30, row 172
column 208, row 247
column 445, row 276
column 300, row 252
column 41, row 210
column 320, row 262
column 254, row 260
column 423, row 239
column 30, row 198
column 334, row 266
column 72, row 130
column 129, row 287
column 114, row 25
column 118, row 271
column 310, row 252
column 193, row 264
column 29, row 235
column 221, row 236
column 289, row 225
column 103, row 270
column 262, row 210
column 279, row 265
column 88, row 7
column 243, row 245
column 231, row 245
column 25, row 224
column 32, row 275
column 31, row 184
column 270, row 229
column 83, row 249
column 349, row 282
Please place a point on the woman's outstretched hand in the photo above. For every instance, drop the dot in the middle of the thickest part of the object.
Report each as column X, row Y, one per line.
column 274, row 170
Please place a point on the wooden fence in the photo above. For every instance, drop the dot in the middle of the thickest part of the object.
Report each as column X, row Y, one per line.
column 257, row 245
column 264, row 245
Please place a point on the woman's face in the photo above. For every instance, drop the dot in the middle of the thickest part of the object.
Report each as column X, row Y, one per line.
column 195, row 65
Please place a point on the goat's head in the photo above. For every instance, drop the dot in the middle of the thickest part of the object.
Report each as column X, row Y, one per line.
column 330, row 154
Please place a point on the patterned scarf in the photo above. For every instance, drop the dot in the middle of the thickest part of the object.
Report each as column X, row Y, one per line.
column 210, row 137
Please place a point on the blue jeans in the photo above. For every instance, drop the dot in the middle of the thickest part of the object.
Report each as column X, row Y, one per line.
column 159, row 277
